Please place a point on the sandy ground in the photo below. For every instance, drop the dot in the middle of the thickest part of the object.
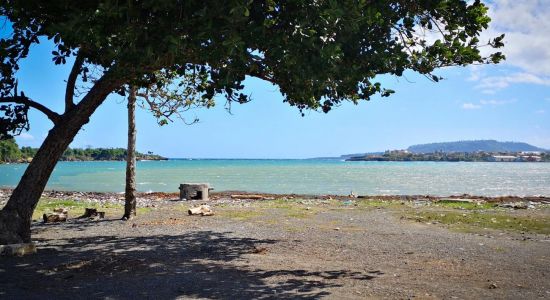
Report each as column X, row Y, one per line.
column 249, row 250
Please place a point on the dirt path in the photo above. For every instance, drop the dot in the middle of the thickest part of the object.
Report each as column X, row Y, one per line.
column 277, row 251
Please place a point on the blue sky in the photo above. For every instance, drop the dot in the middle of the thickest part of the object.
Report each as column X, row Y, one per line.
column 508, row 102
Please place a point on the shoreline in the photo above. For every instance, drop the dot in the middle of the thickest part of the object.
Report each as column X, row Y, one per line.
column 147, row 198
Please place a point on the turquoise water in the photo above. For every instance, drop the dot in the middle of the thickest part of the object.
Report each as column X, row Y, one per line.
column 303, row 177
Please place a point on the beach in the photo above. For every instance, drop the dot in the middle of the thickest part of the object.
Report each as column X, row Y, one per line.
column 287, row 247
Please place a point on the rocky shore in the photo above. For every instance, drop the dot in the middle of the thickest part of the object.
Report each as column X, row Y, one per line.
column 154, row 198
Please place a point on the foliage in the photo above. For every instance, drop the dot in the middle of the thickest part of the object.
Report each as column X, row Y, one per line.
column 13, row 120
column 9, row 151
column 318, row 53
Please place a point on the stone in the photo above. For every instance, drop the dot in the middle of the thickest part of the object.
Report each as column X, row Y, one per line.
column 194, row 191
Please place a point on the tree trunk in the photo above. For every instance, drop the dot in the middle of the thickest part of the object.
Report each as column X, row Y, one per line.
column 130, row 195
column 16, row 216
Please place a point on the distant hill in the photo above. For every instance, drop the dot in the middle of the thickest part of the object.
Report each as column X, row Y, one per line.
column 473, row 146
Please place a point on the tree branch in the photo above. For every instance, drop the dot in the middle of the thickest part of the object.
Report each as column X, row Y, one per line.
column 69, row 92
column 53, row 116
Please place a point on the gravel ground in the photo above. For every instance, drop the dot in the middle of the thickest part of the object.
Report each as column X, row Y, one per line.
column 250, row 251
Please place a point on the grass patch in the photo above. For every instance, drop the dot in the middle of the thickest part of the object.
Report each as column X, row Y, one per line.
column 240, row 215
column 76, row 208
column 300, row 214
column 464, row 205
column 475, row 221
column 375, row 203
column 143, row 210
column 280, row 203
column 294, row 229
column 291, row 208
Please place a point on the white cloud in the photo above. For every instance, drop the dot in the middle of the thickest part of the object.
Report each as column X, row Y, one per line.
column 491, row 84
column 540, row 112
column 470, row 106
column 482, row 103
column 26, row 136
column 525, row 24
column 496, row 102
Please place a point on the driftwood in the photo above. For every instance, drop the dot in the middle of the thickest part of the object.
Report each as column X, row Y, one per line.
column 93, row 213
column 55, row 217
column 245, row 196
column 203, row 210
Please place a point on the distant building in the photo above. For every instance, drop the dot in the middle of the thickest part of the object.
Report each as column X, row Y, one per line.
column 506, row 158
column 531, row 158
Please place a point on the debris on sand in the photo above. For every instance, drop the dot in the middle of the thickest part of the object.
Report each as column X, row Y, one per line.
column 58, row 215
column 203, row 210
column 458, row 200
column 259, row 250
column 519, row 205
column 248, row 196
column 93, row 214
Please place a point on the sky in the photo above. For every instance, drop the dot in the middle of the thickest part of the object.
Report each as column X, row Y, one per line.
column 506, row 102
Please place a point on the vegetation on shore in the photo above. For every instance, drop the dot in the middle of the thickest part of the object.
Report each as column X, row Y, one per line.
column 404, row 155
column 10, row 152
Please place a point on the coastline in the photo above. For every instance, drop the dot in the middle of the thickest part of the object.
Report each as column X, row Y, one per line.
column 145, row 199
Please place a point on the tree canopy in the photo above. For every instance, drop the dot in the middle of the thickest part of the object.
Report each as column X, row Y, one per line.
column 319, row 53
column 186, row 52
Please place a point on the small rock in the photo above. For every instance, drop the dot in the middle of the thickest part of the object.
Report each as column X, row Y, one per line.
column 493, row 286
column 259, row 250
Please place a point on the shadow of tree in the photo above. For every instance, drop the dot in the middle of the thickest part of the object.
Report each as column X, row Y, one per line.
column 76, row 224
column 203, row 264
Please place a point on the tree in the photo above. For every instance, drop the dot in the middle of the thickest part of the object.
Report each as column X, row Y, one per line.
column 164, row 101
column 318, row 53
column 130, row 193
column 9, row 151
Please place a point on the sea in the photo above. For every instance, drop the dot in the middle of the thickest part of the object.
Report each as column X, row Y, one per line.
column 302, row 176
